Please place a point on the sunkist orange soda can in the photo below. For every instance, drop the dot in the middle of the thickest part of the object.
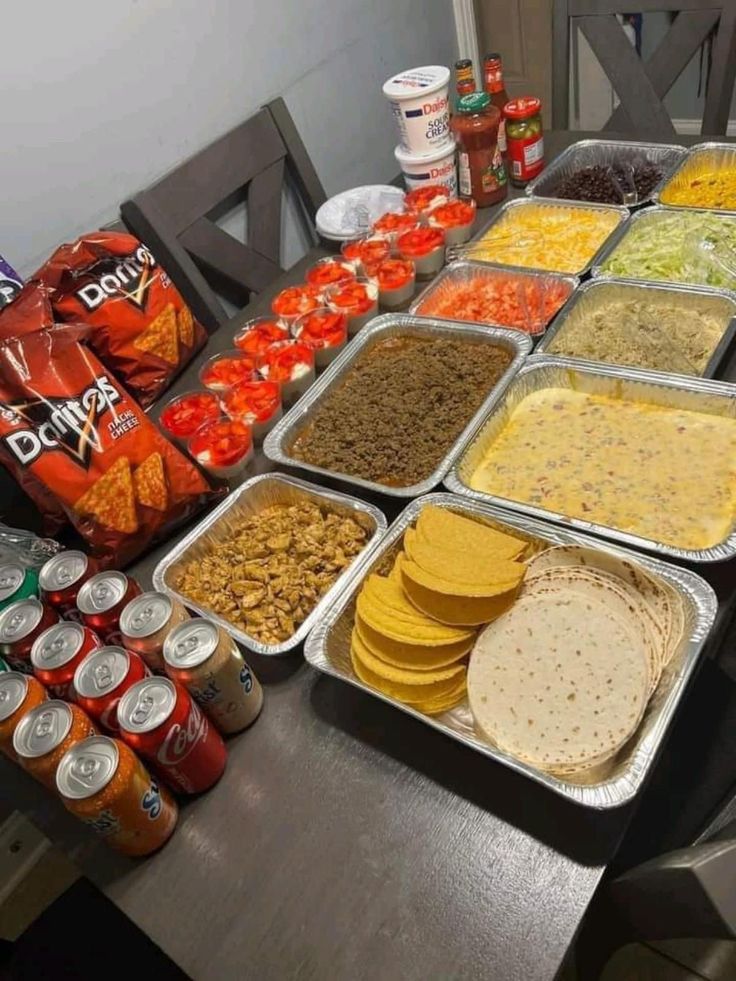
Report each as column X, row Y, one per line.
column 45, row 734
column 103, row 783
column 19, row 693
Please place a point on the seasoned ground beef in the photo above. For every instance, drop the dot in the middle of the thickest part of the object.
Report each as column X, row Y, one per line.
column 400, row 408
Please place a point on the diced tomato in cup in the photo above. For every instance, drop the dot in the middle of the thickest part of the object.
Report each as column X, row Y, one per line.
column 366, row 251
column 257, row 403
column 396, row 280
column 456, row 218
column 328, row 271
column 422, row 199
column 185, row 414
column 393, row 223
column 292, row 365
column 426, row 247
column 222, row 371
column 358, row 300
column 295, row 301
column 258, row 335
column 223, row 448
column 325, row 331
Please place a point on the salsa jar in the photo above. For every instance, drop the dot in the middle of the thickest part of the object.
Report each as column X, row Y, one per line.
column 524, row 139
column 481, row 170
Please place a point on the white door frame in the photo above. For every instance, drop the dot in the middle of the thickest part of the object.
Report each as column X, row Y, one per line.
column 466, row 31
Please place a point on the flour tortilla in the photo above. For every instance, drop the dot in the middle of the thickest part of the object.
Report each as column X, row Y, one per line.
column 559, row 680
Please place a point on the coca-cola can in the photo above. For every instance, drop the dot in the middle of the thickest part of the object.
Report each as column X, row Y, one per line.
column 57, row 652
column 207, row 661
column 102, row 599
column 21, row 624
column 61, row 578
column 145, row 624
column 102, row 679
column 163, row 724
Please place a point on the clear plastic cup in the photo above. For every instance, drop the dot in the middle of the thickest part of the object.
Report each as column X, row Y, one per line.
column 223, row 448
column 325, row 331
column 455, row 218
column 357, row 299
column 396, row 280
column 291, row 364
column 362, row 252
column 257, row 403
column 256, row 336
column 426, row 249
column 328, row 271
column 226, row 369
column 294, row 301
column 184, row 414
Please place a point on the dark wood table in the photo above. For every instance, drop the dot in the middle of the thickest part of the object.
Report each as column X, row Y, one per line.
column 348, row 841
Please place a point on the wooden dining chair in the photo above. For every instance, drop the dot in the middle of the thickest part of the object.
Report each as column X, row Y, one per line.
column 642, row 85
column 177, row 216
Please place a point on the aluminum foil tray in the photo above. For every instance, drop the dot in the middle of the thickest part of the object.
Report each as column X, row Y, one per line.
column 466, row 251
column 328, row 650
column 591, row 153
column 722, row 303
column 458, row 273
column 279, row 441
column 674, row 391
column 250, row 498
column 713, row 156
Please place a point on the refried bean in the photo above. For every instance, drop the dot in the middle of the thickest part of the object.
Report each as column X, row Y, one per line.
column 400, row 408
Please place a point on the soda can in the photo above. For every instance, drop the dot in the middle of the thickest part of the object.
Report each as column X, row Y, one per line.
column 102, row 679
column 57, row 652
column 146, row 622
column 4, row 666
column 19, row 693
column 61, row 578
column 162, row 724
column 207, row 662
column 16, row 582
column 43, row 736
column 103, row 783
column 102, row 599
column 21, row 624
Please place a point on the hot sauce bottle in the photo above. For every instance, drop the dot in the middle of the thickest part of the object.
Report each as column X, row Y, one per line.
column 494, row 85
column 464, row 79
column 481, row 170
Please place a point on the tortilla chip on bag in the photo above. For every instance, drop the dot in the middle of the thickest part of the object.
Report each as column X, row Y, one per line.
column 69, row 432
column 141, row 328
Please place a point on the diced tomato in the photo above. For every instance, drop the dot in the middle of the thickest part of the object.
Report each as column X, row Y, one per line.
column 392, row 274
column 395, row 222
column 296, row 300
column 227, row 370
column 287, row 362
column 256, row 338
column 353, row 298
column 525, row 303
column 329, row 271
column 420, row 241
column 221, row 444
column 454, row 214
column 323, row 328
column 428, row 196
column 367, row 250
column 254, row 401
column 184, row 415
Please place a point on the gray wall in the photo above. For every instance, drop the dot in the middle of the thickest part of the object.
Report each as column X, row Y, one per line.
column 101, row 96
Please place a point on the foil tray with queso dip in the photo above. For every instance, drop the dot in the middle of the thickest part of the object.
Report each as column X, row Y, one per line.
column 641, row 457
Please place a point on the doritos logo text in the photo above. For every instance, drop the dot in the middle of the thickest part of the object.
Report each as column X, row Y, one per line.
column 67, row 424
column 130, row 279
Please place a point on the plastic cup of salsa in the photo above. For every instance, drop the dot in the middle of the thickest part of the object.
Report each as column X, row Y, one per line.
column 291, row 364
column 359, row 300
column 425, row 247
column 396, row 279
column 224, row 370
column 256, row 403
column 421, row 200
column 364, row 252
column 256, row 336
column 295, row 301
column 328, row 271
column 393, row 223
column 223, row 448
column 183, row 415
column 455, row 218
column 325, row 331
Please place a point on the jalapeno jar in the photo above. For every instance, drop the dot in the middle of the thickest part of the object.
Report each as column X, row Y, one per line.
column 524, row 139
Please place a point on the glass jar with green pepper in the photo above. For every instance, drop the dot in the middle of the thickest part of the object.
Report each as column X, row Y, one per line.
column 524, row 138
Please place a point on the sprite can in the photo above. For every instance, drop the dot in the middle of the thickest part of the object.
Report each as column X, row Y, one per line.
column 16, row 582
column 4, row 666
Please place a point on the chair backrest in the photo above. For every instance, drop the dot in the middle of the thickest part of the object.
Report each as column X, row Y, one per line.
column 641, row 86
column 177, row 216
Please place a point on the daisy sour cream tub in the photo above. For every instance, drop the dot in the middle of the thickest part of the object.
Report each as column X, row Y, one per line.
column 419, row 100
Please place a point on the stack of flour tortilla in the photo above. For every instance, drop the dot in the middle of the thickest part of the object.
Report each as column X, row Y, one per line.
column 561, row 680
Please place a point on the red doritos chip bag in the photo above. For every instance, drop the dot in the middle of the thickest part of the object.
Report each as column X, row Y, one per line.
column 68, row 428
column 29, row 311
column 141, row 328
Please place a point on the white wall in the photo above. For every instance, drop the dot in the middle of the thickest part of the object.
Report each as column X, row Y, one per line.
column 101, row 96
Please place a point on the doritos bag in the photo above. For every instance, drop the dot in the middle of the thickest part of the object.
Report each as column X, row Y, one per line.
column 29, row 311
column 67, row 426
column 142, row 329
